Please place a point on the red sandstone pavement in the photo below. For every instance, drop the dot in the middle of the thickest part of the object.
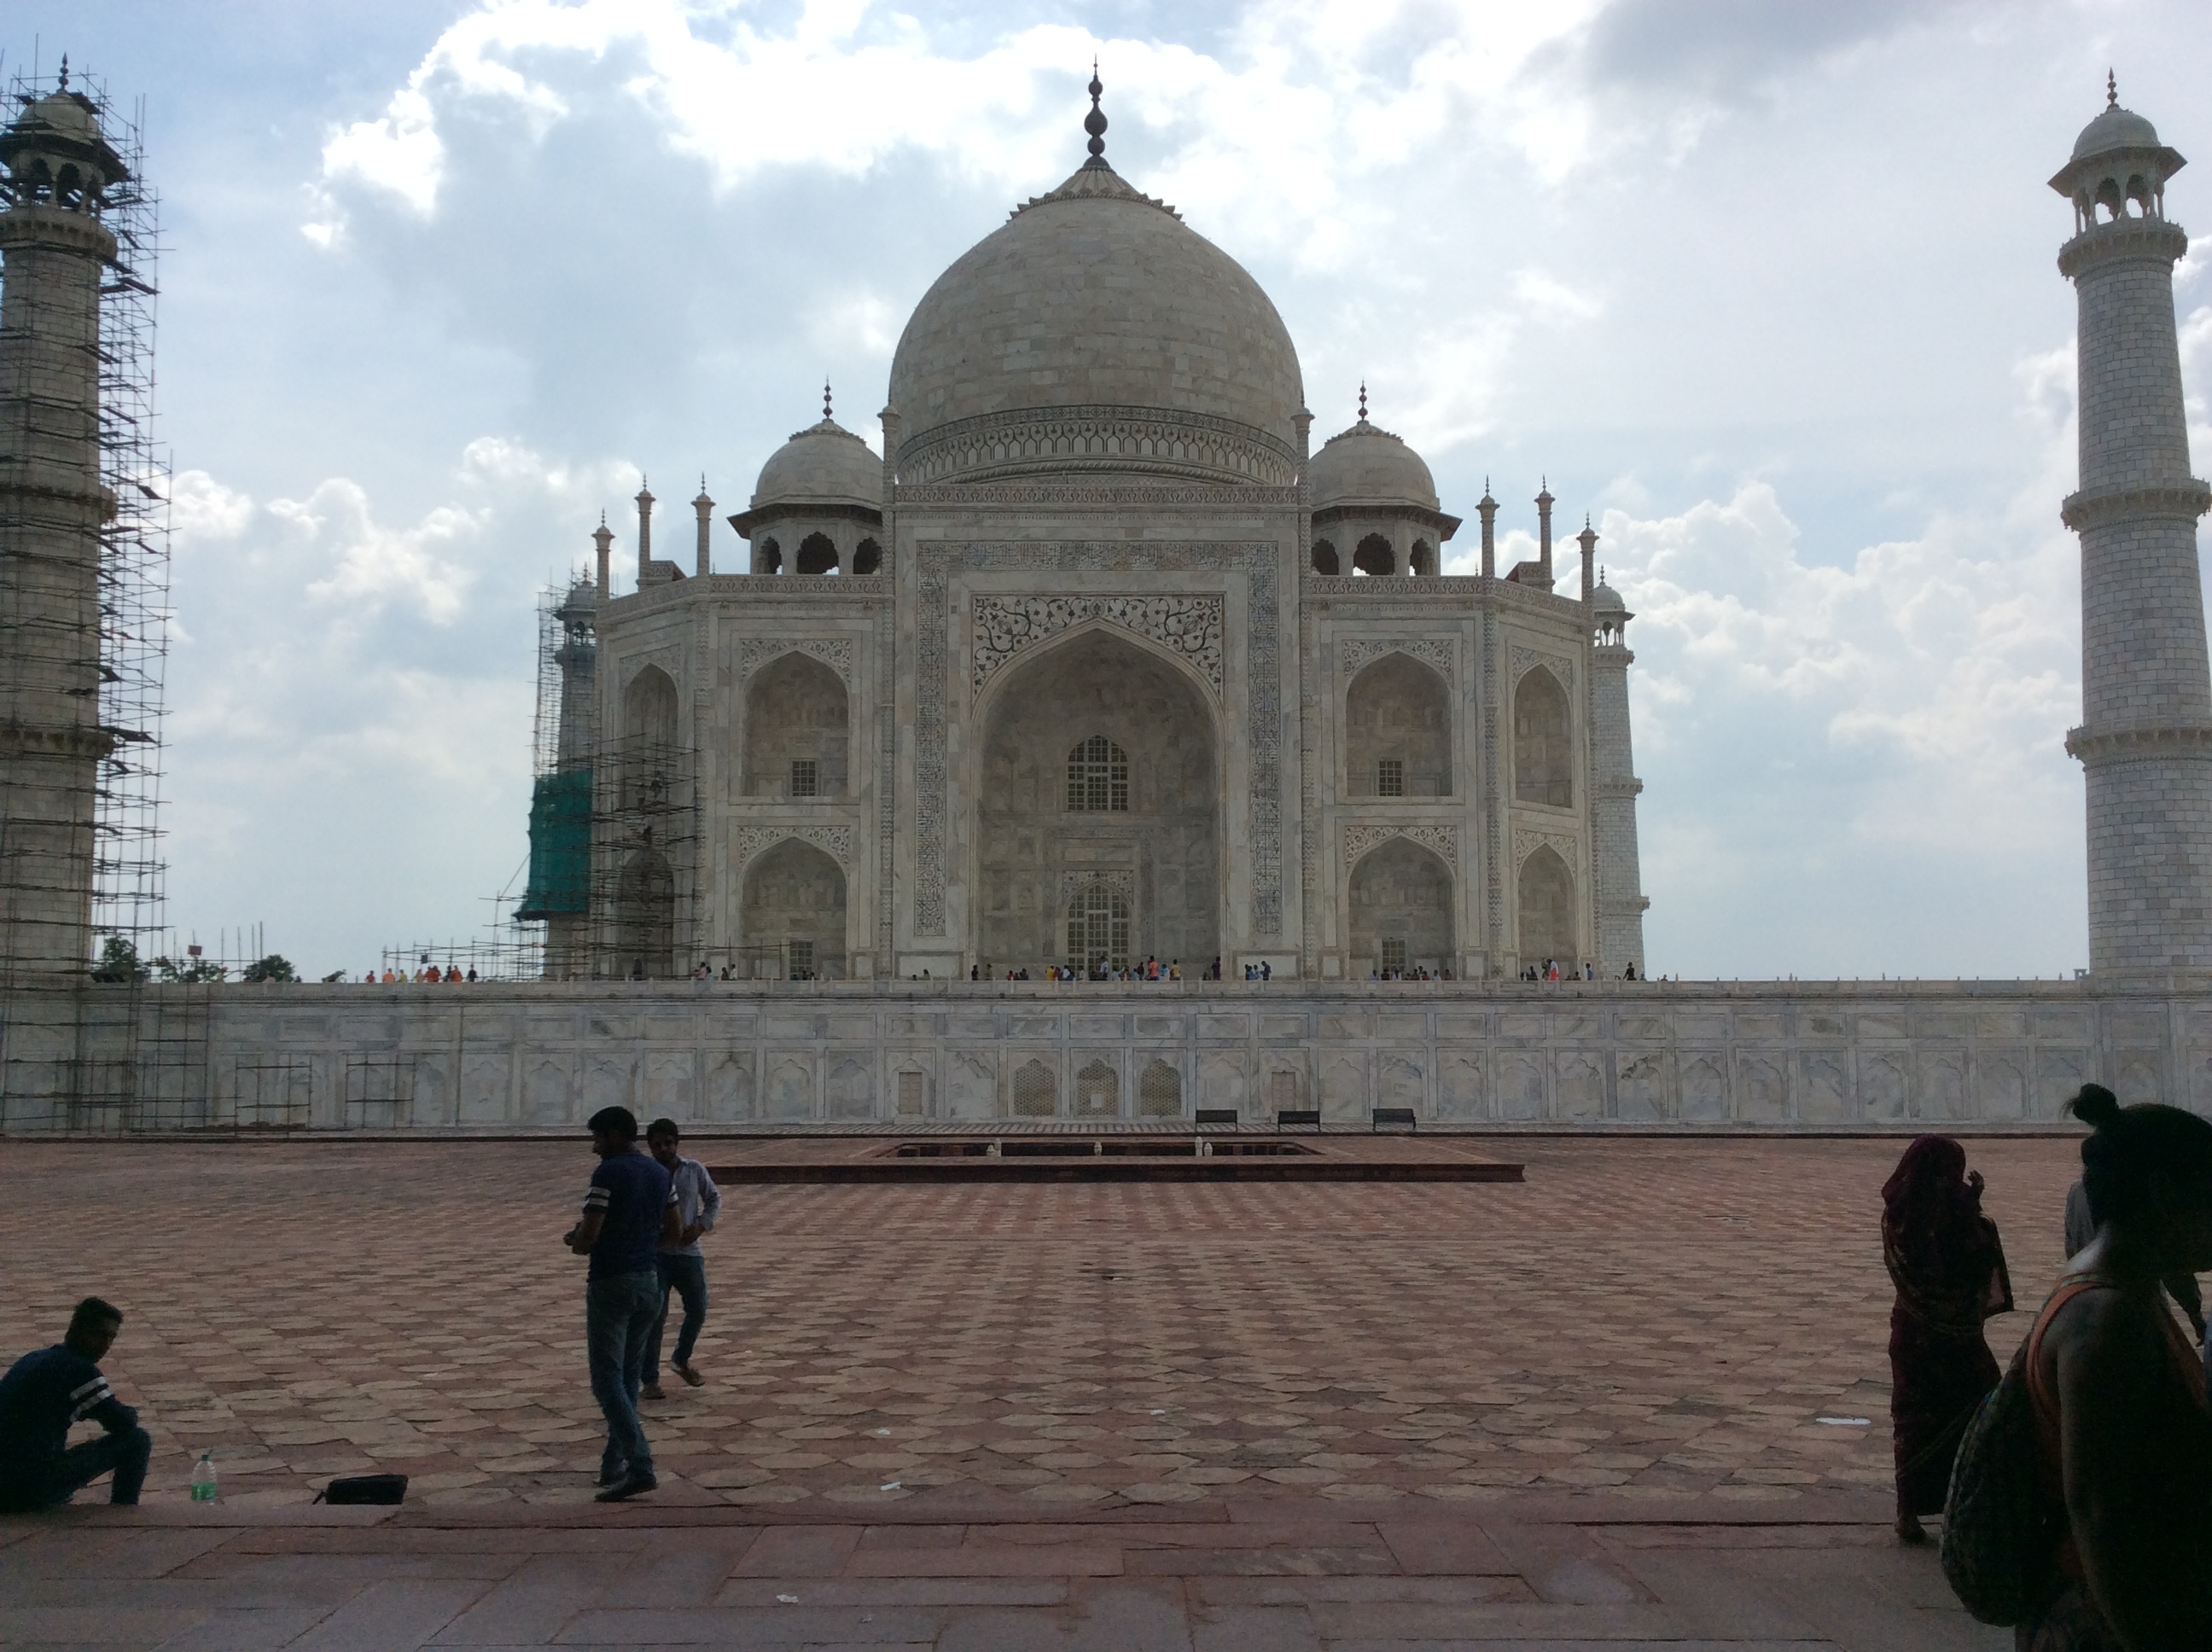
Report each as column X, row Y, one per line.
column 1581, row 1410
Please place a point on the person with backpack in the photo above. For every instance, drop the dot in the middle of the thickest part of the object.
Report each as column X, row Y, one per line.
column 1949, row 1266
column 2123, row 1439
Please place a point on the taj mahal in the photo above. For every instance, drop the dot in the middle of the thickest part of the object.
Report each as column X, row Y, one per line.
column 1112, row 657
column 1111, row 747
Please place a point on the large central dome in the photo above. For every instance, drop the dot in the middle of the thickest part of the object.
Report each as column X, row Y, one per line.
column 1095, row 331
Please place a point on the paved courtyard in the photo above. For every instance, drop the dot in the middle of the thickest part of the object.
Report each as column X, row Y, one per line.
column 1628, row 1356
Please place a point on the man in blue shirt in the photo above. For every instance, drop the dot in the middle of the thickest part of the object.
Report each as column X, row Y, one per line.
column 683, row 1266
column 630, row 1211
column 44, row 1395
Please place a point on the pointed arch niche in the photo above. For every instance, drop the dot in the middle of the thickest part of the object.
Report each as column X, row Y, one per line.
column 1156, row 835
column 1397, row 727
column 796, row 730
column 1547, row 908
column 794, row 903
column 1402, row 897
column 1543, row 741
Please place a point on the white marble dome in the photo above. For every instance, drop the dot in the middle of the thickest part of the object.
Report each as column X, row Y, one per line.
column 1368, row 465
column 824, row 464
column 2115, row 128
column 1096, row 330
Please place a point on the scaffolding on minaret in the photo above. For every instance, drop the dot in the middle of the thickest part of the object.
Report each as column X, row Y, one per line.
column 131, row 1053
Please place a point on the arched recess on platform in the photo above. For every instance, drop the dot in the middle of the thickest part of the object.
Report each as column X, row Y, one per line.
column 1038, row 841
column 1402, row 897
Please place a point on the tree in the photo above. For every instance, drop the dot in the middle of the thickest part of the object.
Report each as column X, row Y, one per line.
column 191, row 970
column 118, row 961
column 275, row 967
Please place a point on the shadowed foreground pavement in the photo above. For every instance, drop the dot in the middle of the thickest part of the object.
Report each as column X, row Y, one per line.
column 1587, row 1410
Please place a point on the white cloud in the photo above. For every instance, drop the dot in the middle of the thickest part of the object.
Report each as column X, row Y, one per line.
column 203, row 510
column 370, row 564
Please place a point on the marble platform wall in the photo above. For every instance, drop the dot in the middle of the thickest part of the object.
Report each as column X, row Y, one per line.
column 1815, row 1056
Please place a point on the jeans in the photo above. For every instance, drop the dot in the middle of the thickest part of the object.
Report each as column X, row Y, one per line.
column 57, row 1481
column 686, row 1276
column 619, row 1309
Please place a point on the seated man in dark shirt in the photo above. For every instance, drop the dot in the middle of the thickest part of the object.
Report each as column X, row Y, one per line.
column 44, row 1395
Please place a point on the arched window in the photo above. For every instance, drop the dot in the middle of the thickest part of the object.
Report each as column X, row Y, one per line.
column 1098, row 927
column 1324, row 557
column 1374, row 556
column 1398, row 713
column 867, row 557
column 1543, row 754
column 1424, row 559
column 767, row 556
column 1098, row 777
column 817, row 554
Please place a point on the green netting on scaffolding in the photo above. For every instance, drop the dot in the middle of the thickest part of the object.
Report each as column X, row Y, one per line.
column 560, row 845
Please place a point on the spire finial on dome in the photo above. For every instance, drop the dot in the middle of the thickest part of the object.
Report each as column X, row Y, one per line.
column 825, row 397
column 2111, row 91
column 1094, row 122
column 1363, row 401
column 64, row 71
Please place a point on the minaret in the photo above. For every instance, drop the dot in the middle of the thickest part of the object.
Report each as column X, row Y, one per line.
column 1544, row 503
column 1487, row 508
column 2145, row 740
column 705, row 507
column 53, row 508
column 644, row 533
column 1620, row 900
column 604, row 539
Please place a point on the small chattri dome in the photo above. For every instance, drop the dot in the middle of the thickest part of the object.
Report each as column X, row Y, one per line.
column 824, row 464
column 2115, row 129
column 1367, row 464
column 1605, row 600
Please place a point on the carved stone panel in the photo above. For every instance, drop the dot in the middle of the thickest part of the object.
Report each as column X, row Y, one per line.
column 1527, row 841
column 1354, row 652
column 1187, row 626
column 1523, row 660
column 836, row 841
column 753, row 653
column 1444, row 840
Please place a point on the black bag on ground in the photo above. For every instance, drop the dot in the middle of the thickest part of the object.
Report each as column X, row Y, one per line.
column 2000, row 1526
column 365, row 1488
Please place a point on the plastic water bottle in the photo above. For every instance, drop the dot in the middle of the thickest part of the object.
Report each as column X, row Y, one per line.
column 203, row 1479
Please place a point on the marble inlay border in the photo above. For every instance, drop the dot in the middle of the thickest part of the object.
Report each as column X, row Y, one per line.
column 1524, row 660
column 1189, row 627
column 938, row 560
column 1358, row 840
column 1354, row 652
column 751, row 841
column 755, row 651
column 1527, row 841
column 1202, row 447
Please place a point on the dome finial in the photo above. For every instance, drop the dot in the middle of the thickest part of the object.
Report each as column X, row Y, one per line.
column 1363, row 401
column 825, row 397
column 64, row 87
column 2111, row 91
column 1094, row 122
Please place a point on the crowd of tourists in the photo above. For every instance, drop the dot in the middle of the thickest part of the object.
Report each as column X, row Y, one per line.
column 2073, row 1484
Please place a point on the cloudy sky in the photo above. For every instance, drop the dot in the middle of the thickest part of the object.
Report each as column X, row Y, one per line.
column 1766, row 288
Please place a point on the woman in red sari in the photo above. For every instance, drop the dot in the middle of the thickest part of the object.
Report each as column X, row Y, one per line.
column 1949, row 1266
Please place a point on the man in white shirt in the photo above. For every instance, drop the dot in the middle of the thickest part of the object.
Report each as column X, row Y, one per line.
column 683, row 1266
